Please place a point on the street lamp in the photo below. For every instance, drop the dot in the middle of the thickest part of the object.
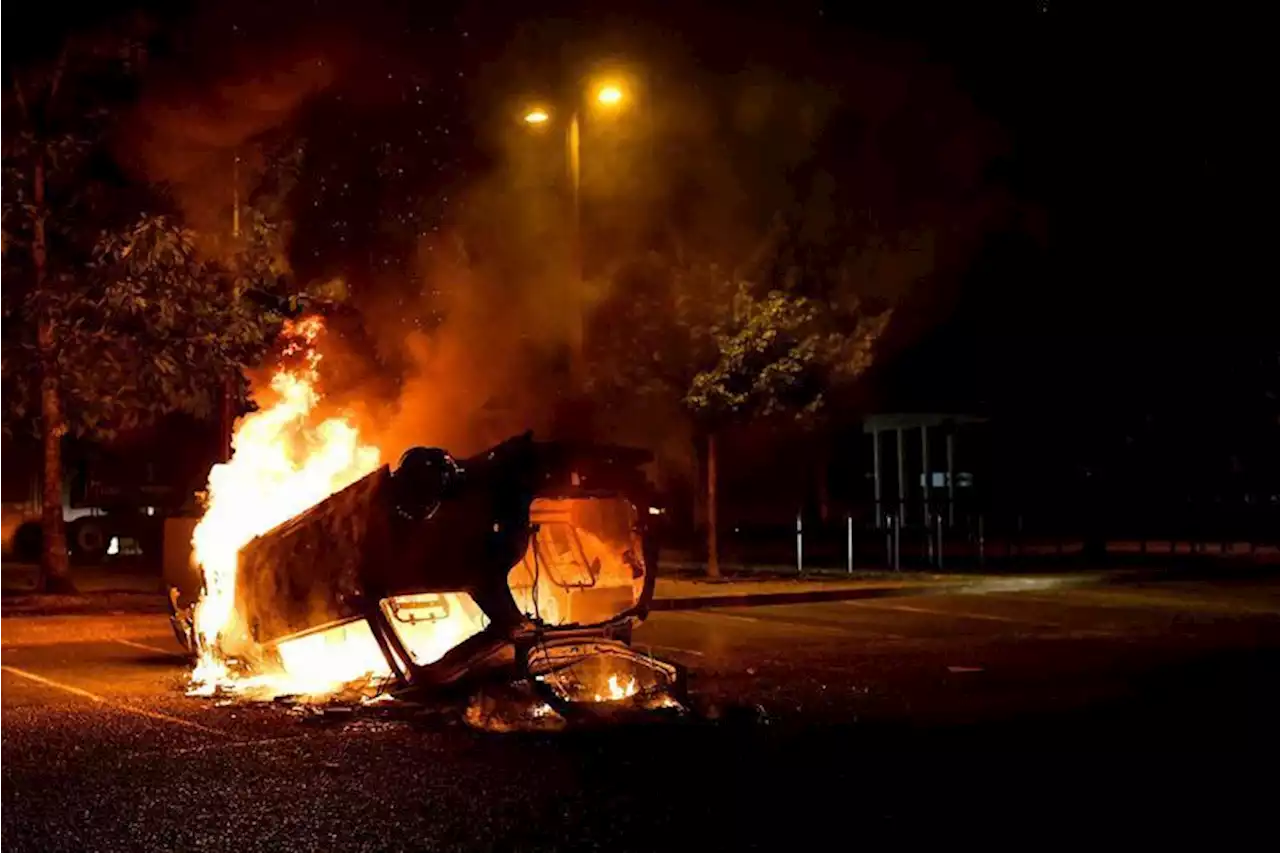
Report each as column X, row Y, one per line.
column 608, row 95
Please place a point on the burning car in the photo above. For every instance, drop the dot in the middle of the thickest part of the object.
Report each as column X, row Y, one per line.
column 528, row 562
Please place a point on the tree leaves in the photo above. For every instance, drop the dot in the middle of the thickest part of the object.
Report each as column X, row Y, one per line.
column 148, row 328
column 729, row 348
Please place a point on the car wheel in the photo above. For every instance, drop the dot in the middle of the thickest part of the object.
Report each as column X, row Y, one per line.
column 90, row 539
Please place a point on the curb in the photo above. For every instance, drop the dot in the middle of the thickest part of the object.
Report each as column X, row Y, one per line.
column 88, row 604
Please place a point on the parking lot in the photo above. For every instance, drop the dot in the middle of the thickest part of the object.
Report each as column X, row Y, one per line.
column 869, row 712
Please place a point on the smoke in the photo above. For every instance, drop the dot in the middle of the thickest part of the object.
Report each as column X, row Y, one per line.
column 470, row 362
column 204, row 144
column 465, row 340
column 883, row 170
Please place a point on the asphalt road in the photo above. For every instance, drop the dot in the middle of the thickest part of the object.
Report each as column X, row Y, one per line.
column 1145, row 712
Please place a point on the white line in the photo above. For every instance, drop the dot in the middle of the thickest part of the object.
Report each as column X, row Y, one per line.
column 734, row 616
column 783, row 624
column 678, row 649
column 94, row 697
column 146, row 648
column 958, row 614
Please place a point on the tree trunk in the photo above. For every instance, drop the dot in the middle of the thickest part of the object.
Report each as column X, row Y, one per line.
column 55, row 571
column 713, row 531
column 824, row 484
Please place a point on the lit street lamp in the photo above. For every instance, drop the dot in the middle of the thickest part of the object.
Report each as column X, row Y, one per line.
column 608, row 95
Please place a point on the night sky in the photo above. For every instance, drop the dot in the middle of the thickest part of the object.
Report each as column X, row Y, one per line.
column 1125, row 272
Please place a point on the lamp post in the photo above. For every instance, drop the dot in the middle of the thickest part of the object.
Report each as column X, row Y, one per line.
column 606, row 95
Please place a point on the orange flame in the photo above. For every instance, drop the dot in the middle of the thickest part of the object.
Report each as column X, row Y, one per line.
column 617, row 691
column 283, row 462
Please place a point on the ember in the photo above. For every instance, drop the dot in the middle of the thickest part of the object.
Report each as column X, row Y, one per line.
column 283, row 463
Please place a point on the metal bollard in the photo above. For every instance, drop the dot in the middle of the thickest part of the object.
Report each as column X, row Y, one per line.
column 799, row 545
column 848, row 542
column 888, row 542
column 982, row 541
column 897, row 546
column 938, row 521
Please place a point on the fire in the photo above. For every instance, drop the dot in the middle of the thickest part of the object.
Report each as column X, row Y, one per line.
column 283, row 462
column 617, row 691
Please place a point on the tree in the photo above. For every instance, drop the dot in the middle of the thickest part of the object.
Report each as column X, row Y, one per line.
column 724, row 348
column 117, row 316
column 53, row 117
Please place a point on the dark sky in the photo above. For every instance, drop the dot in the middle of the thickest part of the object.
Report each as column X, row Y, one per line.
column 1135, row 154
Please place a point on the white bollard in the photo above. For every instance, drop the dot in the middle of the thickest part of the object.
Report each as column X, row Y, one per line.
column 848, row 541
column 799, row 544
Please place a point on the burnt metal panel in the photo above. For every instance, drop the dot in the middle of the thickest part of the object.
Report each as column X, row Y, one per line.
column 433, row 525
column 309, row 571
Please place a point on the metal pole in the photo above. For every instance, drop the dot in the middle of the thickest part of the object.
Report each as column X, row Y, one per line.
column 573, row 143
column 924, row 490
column 982, row 540
column 888, row 542
column 226, row 417
column 902, row 477
column 928, row 536
column 938, row 522
column 235, row 195
column 897, row 547
column 951, row 479
column 226, row 413
column 799, row 544
column 925, row 473
column 875, row 475
column 848, row 541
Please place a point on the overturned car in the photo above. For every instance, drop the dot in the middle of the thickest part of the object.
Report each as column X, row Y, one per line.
column 527, row 563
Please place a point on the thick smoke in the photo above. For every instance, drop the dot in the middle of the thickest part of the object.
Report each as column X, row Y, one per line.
column 887, row 168
column 207, row 143
column 873, row 151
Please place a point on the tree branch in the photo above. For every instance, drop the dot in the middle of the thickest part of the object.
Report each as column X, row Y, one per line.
column 17, row 91
column 59, row 67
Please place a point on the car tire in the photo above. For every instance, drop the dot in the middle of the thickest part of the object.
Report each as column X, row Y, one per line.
column 89, row 540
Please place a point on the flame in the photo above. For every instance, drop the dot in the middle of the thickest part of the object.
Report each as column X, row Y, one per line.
column 617, row 691
column 282, row 463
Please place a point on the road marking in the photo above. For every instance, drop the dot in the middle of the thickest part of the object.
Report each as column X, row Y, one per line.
column 733, row 616
column 146, row 648
column 781, row 623
column 958, row 614
column 94, row 697
column 678, row 649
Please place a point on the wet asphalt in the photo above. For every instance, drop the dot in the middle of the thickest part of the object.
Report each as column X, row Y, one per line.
column 1136, row 713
